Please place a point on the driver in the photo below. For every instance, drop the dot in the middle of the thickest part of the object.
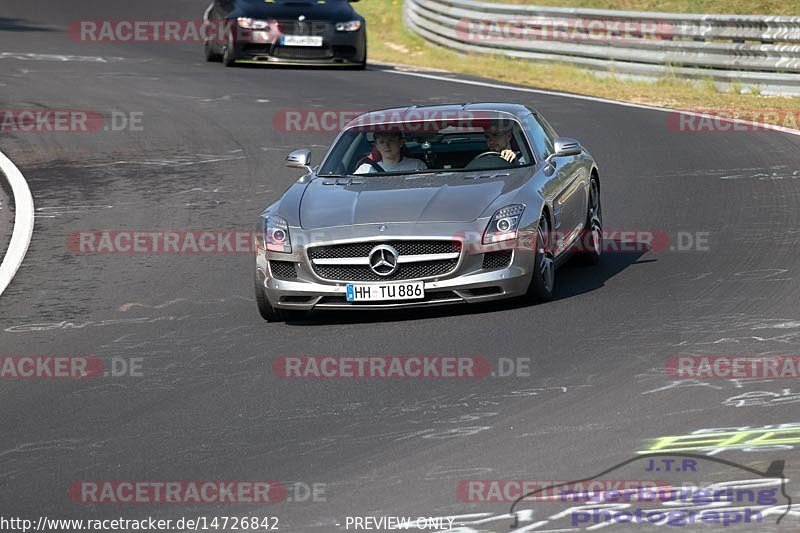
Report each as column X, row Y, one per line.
column 391, row 145
column 498, row 139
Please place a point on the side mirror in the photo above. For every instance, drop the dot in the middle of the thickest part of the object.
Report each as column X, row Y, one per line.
column 565, row 147
column 299, row 159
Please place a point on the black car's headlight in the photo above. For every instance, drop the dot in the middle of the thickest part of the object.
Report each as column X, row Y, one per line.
column 252, row 24
column 353, row 25
column 276, row 235
column 504, row 223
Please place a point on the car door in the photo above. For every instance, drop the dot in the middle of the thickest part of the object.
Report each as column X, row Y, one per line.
column 572, row 199
column 566, row 186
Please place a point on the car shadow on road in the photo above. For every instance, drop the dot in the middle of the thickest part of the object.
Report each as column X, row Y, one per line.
column 575, row 279
column 267, row 65
column 572, row 280
column 14, row 24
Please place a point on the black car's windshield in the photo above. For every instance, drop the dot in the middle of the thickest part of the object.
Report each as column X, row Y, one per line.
column 487, row 142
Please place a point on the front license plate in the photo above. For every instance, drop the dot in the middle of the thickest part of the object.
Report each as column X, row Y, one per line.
column 385, row 291
column 301, row 40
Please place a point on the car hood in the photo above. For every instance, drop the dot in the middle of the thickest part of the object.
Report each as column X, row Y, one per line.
column 335, row 10
column 453, row 197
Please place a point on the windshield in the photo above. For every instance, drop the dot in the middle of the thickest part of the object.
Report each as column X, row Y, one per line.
column 485, row 142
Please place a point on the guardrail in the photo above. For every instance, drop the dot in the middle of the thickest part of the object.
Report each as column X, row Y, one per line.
column 761, row 52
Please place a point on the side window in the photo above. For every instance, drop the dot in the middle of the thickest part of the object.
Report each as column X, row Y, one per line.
column 540, row 137
column 551, row 133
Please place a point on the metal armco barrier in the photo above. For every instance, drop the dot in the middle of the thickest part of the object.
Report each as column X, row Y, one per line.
column 762, row 52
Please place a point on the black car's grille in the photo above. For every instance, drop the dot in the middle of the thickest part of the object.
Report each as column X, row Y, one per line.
column 405, row 271
column 362, row 249
column 283, row 269
column 347, row 52
column 496, row 260
column 305, row 27
column 301, row 52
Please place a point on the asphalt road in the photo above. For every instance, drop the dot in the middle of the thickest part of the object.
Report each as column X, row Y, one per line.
column 207, row 405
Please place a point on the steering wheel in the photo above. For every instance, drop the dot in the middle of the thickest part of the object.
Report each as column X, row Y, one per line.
column 488, row 160
column 486, row 154
column 371, row 162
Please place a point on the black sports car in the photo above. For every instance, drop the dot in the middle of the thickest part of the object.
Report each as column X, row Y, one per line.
column 301, row 32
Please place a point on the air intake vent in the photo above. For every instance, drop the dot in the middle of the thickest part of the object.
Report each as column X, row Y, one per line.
column 496, row 260
column 283, row 270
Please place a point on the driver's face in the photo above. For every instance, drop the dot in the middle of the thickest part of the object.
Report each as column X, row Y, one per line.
column 497, row 141
column 389, row 145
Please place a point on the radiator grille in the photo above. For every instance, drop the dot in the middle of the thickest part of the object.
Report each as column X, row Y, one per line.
column 405, row 271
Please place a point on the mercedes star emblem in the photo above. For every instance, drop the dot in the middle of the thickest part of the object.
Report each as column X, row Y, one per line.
column 383, row 260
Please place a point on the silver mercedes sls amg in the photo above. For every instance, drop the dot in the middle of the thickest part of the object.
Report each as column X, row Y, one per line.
column 422, row 206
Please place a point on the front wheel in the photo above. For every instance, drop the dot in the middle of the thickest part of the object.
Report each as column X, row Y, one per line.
column 229, row 53
column 212, row 56
column 592, row 238
column 543, row 280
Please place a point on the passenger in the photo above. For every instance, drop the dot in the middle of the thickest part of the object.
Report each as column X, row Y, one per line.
column 391, row 147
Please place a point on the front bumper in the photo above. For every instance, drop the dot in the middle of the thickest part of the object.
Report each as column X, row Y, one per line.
column 469, row 282
column 338, row 49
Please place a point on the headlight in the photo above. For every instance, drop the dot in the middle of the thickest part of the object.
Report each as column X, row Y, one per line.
column 276, row 235
column 503, row 225
column 353, row 25
column 252, row 24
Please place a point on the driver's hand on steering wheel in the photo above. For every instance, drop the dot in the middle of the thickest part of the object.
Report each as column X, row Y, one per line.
column 508, row 155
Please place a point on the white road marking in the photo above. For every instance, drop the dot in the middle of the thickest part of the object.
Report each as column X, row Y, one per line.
column 490, row 85
column 23, row 222
column 180, row 162
column 59, row 57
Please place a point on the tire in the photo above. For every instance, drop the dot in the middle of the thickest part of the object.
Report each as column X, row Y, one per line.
column 229, row 53
column 266, row 310
column 211, row 55
column 592, row 239
column 363, row 63
column 543, row 280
